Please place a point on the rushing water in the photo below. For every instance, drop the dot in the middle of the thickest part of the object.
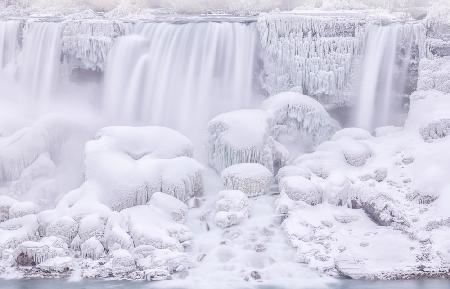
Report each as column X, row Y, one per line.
column 181, row 75
column 383, row 75
column 96, row 284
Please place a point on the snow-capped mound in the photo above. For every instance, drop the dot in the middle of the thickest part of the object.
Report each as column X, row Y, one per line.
column 20, row 209
column 352, row 132
column 242, row 136
column 16, row 231
column 298, row 188
column 232, row 208
column 121, row 262
column 91, row 226
column 31, row 253
column 92, row 248
column 436, row 130
column 355, row 153
column 5, row 204
column 299, row 115
column 171, row 205
column 65, row 228
column 146, row 160
column 57, row 264
column 250, row 178
column 116, row 233
column 150, row 226
column 46, row 136
column 290, row 171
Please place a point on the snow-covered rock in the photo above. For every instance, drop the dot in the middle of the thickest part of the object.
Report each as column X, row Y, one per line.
column 56, row 265
column 121, row 262
column 232, row 208
column 64, row 227
column 171, row 205
column 20, row 209
column 116, row 235
column 352, row 132
column 16, row 231
column 5, row 204
column 298, row 115
column 91, row 226
column 146, row 160
column 250, row 178
column 291, row 170
column 242, row 136
column 162, row 263
column 298, row 188
column 31, row 253
column 92, row 248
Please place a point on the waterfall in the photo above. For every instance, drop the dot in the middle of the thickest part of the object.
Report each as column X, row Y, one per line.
column 39, row 61
column 9, row 44
column 383, row 75
column 181, row 75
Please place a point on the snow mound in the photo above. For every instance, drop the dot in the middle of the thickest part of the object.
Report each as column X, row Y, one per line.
column 161, row 263
column 291, row 170
column 250, row 178
column 65, row 228
column 299, row 115
column 20, row 209
column 31, row 253
column 16, row 231
column 151, row 226
column 56, row 265
column 171, row 205
column 298, row 188
column 436, row 130
column 352, row 132
column 356, row 153
column 116, row 235
column 232, row 208
column 91, row 226
column 242, row 136
column 146, row 160
column 92, row 248
column 5, row 204
column 121, row 262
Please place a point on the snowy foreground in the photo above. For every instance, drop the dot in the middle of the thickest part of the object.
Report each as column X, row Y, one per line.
column 358, row 204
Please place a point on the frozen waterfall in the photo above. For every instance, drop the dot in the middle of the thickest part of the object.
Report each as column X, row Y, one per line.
column 8, row 42
column 39, row 61
column 383, row 75
column 181, row 75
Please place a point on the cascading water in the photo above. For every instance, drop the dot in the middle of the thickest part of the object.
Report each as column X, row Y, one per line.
column 9, row 45
column 39, row 61
column 383, row 78
column 181, row 75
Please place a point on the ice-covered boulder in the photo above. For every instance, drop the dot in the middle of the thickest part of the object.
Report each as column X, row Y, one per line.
column 161, row 263
column 300, row 116
column 92, row 248
column 121, row 262
column 250, row 178
column 18, row 230
column 5, row 204
column 232, row 208
column 290, row 171
column 145, row 160
column 242, row 136
column 20, row 209
column 352, row 132
column 31, row 253
column 355, row 153
column 116, row 235
column 171, row 205
column 91, row 226
column 436, row 130
column 149, row 225
column 59, row 264
column 298, row 188
column 63, row 227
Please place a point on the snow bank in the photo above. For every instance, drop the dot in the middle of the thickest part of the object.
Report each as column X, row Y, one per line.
column 250, row 178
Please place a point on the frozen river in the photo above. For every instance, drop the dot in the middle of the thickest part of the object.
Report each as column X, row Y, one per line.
column 95, row 284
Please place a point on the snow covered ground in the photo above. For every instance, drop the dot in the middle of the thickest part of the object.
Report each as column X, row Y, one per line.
column 277, row 194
